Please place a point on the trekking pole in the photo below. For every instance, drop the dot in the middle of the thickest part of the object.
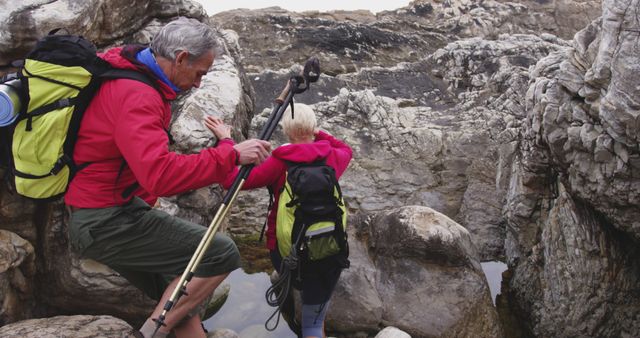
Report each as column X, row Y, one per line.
column 296, row 84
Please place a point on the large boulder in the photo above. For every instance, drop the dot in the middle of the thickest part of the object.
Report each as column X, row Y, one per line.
column 415, row 269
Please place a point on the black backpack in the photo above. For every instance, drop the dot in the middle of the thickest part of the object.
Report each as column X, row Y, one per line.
column 311, row 218
column 310, row 227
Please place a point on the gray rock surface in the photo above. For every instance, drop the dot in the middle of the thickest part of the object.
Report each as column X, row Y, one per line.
column 572, row 206
column 392, row 332
column 17, row 271
column 348, row 41
column 448, row 147
column 100, row 21
column 222, row 333
column 415, row 269
column 67, row 326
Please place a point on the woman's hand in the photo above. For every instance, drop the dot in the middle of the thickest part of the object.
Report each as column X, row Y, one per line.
column 217, row 127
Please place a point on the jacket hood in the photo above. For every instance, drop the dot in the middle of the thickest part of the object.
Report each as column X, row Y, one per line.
column 124, row 58
column 303, row 152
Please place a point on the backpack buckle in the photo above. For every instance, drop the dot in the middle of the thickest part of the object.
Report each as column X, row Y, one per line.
column 60, row 163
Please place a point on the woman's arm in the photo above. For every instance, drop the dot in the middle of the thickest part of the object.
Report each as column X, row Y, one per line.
column 263, row 175
column 341, row 150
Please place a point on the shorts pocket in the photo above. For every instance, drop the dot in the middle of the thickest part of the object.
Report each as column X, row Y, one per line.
column 79, row 237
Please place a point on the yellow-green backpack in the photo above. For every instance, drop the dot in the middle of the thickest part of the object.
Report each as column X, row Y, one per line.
column 57, row 81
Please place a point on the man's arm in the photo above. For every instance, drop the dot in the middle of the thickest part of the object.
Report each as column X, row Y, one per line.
column 140, row 136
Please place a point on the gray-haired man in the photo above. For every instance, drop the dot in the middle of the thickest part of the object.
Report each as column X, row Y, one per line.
column 123, row 137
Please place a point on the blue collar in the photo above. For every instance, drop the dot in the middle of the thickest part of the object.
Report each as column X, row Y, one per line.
column 146, row 57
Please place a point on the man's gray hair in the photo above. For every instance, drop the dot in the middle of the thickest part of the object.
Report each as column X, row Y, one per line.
column 188, row 35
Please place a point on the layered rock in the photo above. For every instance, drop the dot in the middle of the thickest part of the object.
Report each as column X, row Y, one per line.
column 348, row 41
column 447, row 144
column 573, row 198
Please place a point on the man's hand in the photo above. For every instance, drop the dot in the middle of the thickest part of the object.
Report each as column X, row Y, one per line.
column 252, row 151
column 217, row 127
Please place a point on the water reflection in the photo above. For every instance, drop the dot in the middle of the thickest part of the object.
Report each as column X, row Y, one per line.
column 493, row 272
column 246, row 309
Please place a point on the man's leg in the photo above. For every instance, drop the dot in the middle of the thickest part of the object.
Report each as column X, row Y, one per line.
column 198, row 289
column 137, row 240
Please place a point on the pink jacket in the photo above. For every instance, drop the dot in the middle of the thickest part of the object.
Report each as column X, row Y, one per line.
column 128, row 120
column 271, row 173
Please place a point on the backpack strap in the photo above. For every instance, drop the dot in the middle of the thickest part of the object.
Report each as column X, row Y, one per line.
column 269, row 207
column 117, row 73
column 341, row 238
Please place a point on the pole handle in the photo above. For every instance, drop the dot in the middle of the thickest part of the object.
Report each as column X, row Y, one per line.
column 283, row 95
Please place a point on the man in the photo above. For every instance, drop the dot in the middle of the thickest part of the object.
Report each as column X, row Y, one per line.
column 124, row 143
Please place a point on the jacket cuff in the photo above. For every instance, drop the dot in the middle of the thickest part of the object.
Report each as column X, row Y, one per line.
column 237, row 154
column 227, row 140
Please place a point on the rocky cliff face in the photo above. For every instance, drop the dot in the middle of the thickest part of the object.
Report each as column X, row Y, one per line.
column 432, row 101
column 573, row 199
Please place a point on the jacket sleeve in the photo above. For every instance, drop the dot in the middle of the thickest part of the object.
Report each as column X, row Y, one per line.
column 266, row 174
column 141, row 138
column 343, row 153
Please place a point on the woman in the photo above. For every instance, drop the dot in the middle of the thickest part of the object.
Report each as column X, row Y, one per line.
column 307, row 144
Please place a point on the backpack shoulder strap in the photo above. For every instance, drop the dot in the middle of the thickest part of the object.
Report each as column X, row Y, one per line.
column 117, row 73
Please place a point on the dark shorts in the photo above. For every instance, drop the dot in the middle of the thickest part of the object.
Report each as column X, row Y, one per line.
column 319, row 278
column 147, row 246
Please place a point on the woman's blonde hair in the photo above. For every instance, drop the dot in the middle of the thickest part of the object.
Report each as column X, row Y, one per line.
column 303, row 123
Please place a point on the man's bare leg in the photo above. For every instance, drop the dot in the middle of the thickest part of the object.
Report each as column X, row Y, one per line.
column 191, row 327
column 197, row 289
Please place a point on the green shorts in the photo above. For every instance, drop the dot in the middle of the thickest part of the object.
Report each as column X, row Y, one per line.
column 147, row 246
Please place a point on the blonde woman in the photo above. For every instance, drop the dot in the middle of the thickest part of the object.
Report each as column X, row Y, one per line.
column 307, row 145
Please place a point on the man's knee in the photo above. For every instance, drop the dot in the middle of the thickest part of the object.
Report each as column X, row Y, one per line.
column 221, row 257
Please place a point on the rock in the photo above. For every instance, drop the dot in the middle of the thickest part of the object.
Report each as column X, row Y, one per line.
column 216, row 301
column 17, row 270
column 392, row 332
column 578, row 259
column 607, row 137
column 572, row 207
column 417, row 270
column 100, row 21
column 222, row 333
column 349, row 41
column 67, row 326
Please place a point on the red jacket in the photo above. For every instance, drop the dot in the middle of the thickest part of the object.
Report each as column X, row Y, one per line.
column 128, row 120
column 271, row 173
